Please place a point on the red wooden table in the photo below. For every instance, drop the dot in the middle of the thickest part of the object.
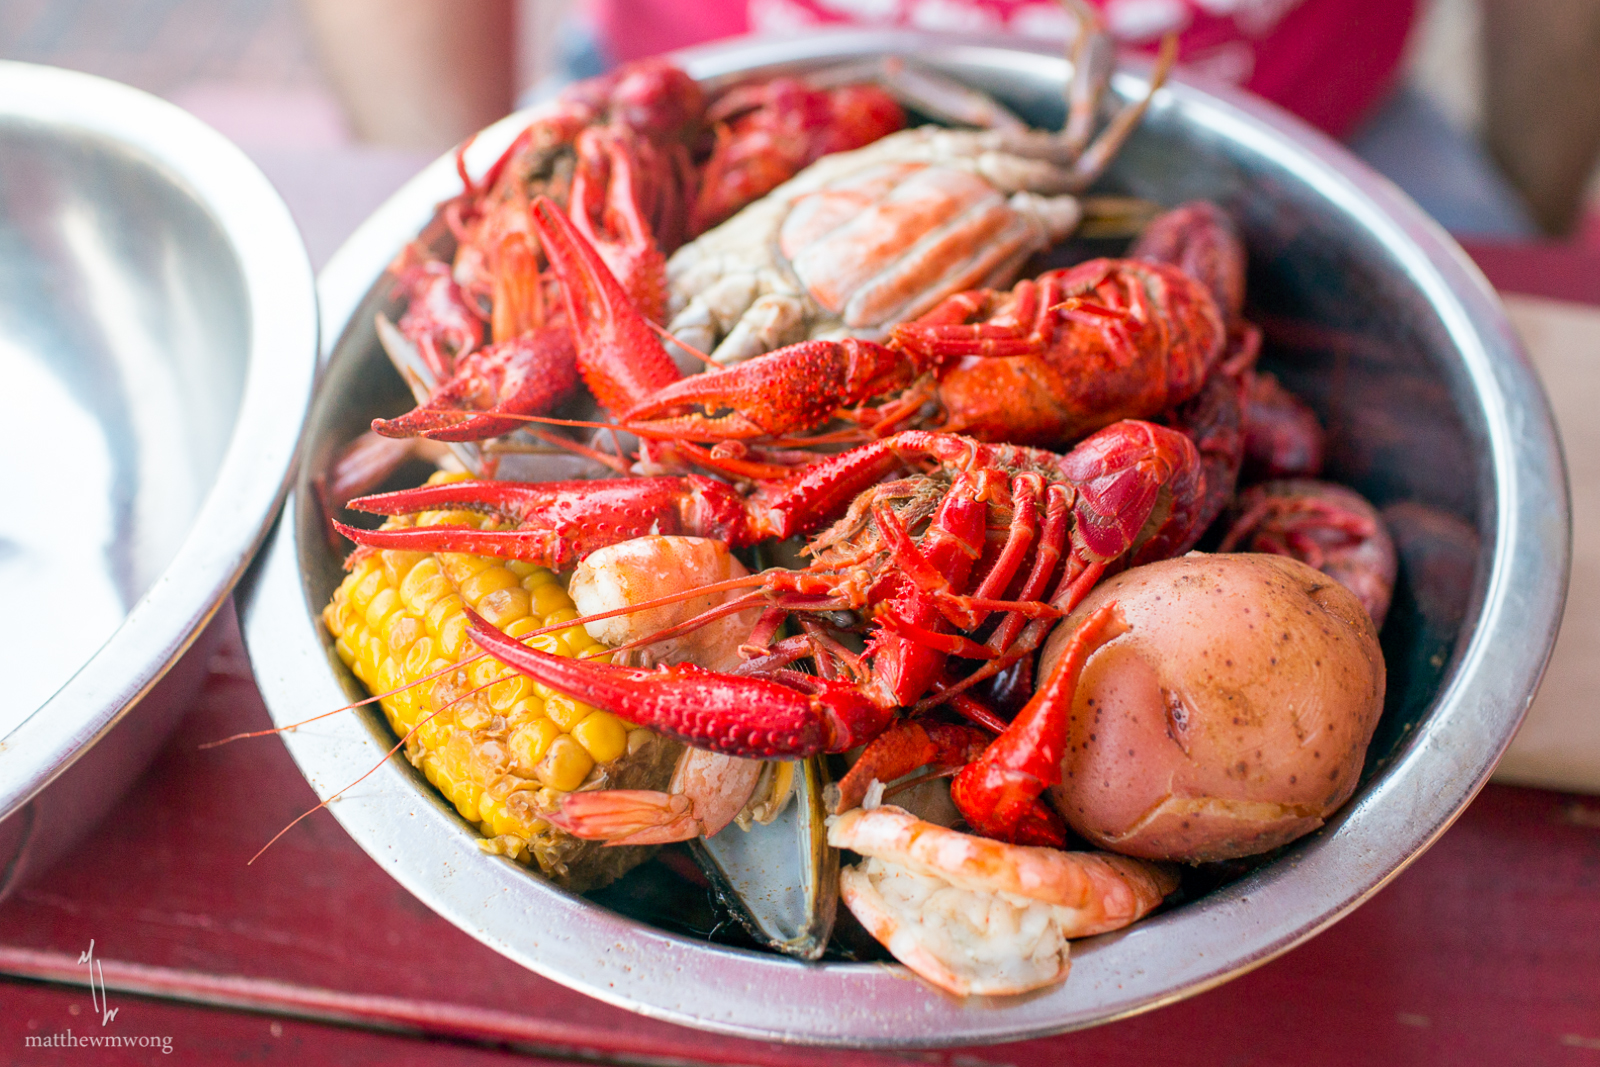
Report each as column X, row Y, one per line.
column 1486, row 950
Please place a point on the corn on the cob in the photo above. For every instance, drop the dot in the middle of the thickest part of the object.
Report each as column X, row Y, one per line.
column 502, row 748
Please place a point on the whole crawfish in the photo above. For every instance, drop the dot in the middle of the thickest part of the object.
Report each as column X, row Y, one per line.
column 1047, row 362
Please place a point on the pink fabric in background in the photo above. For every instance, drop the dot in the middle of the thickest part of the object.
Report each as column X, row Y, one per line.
column 1328, row 61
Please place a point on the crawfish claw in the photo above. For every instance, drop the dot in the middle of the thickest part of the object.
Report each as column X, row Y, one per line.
column 725, row 713
column 527, row 375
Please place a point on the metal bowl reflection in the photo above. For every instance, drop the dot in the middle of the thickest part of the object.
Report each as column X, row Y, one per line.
column 158, row 345
column 1372, row 312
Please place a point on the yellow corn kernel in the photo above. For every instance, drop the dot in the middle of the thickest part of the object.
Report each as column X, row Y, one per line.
column 441, row 612
column 506, row 694
column 547, row 643
column 490, row 579
column 525, row 710
column 423, row 585
column 467, row 795
column 573, row 638
column 337, row 615
column 595, row 652
column 371, row 651
column 565, row 766
column 396, row 564
column 367, row 585
column 435, row 730
column 418, row 656
column 536, row 577
column 549, row 598
column 487, row 671
column 471, row 714
column 564, row 711
column 500, row 820
column 602, row 735
column 504, row 605
column 529, row 744
column 453, row 635
column 401, row 630
column 525, row 625
column 460, row 567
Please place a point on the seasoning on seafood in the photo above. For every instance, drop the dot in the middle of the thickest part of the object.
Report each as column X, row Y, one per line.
column 1231, row 718
column 1190, row 709
column 1327, row 526
column 502, row 749
column 975, row 916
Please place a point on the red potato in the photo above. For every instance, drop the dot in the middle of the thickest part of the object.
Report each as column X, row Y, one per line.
column 1234, row 716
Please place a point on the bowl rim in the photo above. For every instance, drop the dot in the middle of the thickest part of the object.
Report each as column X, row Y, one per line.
column 253, row 476
column 418, row 840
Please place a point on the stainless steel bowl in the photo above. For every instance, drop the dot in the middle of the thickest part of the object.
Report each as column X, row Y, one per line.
column 1392, row 333
column 158, row 347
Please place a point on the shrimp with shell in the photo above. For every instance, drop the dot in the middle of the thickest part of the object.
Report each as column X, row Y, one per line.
column 978, row 916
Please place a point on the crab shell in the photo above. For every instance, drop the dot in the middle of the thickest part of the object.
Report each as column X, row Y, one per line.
column 861, row 240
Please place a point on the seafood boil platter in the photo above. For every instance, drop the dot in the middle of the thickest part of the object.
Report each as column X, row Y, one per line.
column 655, row 804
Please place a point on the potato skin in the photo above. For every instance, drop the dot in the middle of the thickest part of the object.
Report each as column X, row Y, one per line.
column 1233, row 718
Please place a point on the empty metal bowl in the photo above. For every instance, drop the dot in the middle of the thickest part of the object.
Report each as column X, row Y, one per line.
column 158, row 347
column 1371, row 312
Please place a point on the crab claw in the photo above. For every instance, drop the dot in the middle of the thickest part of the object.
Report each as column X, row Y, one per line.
column 736, row 716
column 793, row 388
column 527, row 375
column 558, row 523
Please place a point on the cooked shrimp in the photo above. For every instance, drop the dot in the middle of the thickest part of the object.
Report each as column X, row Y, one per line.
column 708, row 790
column 973, row 915
column 647, row 568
